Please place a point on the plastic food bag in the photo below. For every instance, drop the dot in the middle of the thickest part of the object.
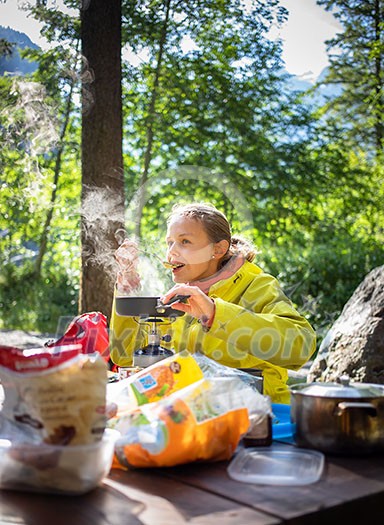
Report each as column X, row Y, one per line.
column 55, row 397
column 153, row 383
column 201, row 422
column 90, row 331
column 211, row 368
column 260, row 430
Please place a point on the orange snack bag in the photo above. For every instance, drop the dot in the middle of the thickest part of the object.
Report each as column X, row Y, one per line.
column 202, row 422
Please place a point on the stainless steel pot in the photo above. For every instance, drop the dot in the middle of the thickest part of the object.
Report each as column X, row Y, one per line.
column 345, row 418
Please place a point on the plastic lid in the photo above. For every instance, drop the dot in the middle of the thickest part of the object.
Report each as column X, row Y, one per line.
column 277, row 465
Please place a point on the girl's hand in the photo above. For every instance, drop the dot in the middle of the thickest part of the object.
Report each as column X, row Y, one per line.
column 128, row 279
column 198, row 305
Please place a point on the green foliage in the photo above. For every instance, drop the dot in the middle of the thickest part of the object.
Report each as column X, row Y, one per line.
column 32, row 111
column 226, row 127
column 356, row 63
column 320, row 277
column 6, row 48
column 36, row 305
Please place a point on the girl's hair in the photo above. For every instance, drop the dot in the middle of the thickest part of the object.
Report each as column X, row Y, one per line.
column 217, row 227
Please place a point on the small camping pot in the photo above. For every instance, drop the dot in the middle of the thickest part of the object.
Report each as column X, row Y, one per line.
column 345, row 418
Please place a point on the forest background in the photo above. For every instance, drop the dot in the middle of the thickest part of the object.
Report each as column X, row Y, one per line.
column 96, row 147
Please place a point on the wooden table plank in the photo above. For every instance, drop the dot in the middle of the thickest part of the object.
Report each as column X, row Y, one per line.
column 129, row 498
column 350, row 491
column 102, row 506
column 168, row 501
column 346, row 484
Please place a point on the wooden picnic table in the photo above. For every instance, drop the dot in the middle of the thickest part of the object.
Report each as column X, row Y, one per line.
column 350, row 491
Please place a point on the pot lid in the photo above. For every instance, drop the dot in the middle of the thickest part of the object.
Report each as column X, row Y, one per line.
column 343, row 389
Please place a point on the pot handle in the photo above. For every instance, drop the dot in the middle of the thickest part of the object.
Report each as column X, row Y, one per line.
column 350, row 405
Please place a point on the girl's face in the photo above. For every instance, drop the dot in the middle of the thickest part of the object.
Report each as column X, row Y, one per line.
column 188, row 245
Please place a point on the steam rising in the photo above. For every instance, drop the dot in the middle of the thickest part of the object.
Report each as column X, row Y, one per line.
column 101, row 209
column 102, row 220
column 38, row 131
column 85, row 4
column 87, row 77
column 30, row 126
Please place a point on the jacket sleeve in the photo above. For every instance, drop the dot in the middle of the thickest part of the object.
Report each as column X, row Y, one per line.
column 264, row 324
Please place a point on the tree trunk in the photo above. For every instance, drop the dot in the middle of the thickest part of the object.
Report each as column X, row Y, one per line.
column 102, row 157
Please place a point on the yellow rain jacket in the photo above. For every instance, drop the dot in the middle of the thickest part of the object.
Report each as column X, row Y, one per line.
column 255, row 326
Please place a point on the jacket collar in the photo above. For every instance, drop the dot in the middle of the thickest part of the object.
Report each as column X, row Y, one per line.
column 229, row 269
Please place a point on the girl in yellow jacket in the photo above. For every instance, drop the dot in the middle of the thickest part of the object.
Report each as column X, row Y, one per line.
column 235, row 314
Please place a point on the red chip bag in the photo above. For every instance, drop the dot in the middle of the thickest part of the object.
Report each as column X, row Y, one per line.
column 89, row 330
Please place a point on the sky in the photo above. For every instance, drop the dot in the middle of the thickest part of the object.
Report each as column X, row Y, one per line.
column 304, row 51
column 308, row 26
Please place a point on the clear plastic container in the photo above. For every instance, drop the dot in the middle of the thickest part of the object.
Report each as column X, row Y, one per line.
column 56, row 469
column 277, row 465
